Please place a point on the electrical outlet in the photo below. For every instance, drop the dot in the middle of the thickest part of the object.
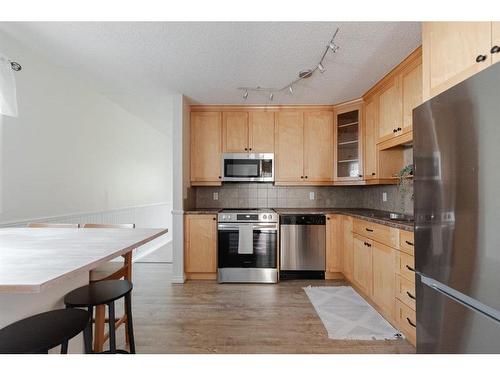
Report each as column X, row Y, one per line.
column 216, row 196
column 311, row 195
column 384, row 197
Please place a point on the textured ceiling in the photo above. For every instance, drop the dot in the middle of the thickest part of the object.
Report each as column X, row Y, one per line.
column 139, row 64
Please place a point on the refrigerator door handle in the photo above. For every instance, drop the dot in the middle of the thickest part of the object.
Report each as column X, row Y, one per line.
column 461, row 298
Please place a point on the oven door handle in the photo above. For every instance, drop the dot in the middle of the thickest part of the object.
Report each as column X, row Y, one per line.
column 259, row 227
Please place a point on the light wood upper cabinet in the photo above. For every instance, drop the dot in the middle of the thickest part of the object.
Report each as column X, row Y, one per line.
column 411, row 81
column 348, row 141
column 206, row 134
column 318, row 146
column 390, row 110
column 384, row 269
column 371, row 132
column 200, row 244
column 452, row 52
column 362, row 264
column 261, row 132
column 289, row 146
column 495, row 42
column 334, row 243
column 235, row 131
column 347, row 246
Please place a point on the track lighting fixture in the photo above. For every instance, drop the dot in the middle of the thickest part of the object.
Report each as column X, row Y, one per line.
column 303, row 74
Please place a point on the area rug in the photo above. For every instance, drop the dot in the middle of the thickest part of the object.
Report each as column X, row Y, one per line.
column 347, row 316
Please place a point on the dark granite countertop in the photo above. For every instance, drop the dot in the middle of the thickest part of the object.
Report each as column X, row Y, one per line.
column 375, row 216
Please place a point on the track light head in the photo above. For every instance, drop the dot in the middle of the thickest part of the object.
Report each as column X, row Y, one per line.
column 333, row 47
column 245, row 94
column 291, row 90
column 321, row 68
column 271, row 96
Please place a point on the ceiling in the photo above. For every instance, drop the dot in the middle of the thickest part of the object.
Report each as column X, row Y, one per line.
column 138, row 64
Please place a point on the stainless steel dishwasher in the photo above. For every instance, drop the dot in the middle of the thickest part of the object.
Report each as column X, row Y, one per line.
column 302, row 246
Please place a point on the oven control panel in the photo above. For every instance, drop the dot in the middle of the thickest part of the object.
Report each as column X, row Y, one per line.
column 247, row 217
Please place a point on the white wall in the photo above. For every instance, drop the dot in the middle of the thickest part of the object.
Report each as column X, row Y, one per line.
column 73, row 151
column 181, row 184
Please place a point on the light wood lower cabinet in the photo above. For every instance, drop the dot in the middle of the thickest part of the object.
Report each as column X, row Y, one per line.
column 405, row 291
column 406, row 321
column 334, row 243
column 200, row 246
column 378, row 232
column 383, row 270
column 407, row 242
column 347, row 246
column 362, row 264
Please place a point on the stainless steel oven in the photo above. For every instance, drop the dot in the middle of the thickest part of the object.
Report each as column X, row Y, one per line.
column 248, row 167
column 247, row 246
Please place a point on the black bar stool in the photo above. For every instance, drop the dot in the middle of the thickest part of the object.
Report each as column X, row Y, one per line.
column 105, row 293
column 39, row 333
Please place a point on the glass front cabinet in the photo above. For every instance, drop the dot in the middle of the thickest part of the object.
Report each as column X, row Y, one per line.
column 348, row 141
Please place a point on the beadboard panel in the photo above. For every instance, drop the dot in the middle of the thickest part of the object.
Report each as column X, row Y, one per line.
column 146, row 216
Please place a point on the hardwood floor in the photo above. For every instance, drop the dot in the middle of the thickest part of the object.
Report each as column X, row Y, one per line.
column 206, row 317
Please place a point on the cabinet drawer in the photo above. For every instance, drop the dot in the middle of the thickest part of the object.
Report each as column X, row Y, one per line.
column 406, row 266
column 406, row 320
column 407, row 242
column 405, row 291
column 386, row 235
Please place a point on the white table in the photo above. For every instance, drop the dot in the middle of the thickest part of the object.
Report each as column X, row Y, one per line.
column 38, row 266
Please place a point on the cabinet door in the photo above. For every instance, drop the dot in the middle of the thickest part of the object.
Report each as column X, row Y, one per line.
column 411, row 81
column 334, row 243
column 318, row 146
column 362, row 264
column 200, row 244
column 347, row 246
column 390, row 110
column 348, row 142
column 450, row 50
column 206, row 133
column 384, row 277
column 235, row 131
column 371, row 131
column 261, row 132
column 289, row 146
column 495, row 42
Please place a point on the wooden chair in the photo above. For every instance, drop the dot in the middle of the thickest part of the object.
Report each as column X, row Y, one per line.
column 52, row 225
column 110, row 271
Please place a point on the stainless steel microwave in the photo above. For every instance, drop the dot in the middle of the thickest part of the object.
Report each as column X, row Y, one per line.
column 243, row 167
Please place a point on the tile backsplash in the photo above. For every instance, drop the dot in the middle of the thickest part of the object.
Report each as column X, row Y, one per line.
column 262, row 195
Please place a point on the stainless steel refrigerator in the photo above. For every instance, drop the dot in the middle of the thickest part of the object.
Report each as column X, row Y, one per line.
column 457, row 217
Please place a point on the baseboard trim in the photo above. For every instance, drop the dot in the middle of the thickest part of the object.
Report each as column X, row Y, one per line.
column 178, row 279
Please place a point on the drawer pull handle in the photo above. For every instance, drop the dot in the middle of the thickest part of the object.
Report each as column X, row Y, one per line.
column 411, row 323
column 409, row 243
column 410, row 295
column 368, row 244
column 480, row 58
column 369, row 230
column 410, row 268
